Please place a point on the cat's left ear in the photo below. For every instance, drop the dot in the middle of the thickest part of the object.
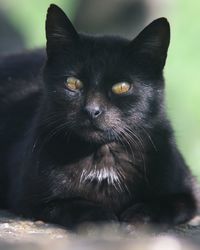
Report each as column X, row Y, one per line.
column 151, row 45
column 60, row 33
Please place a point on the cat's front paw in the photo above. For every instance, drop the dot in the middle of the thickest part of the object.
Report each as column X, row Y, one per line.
column 97, row 215
column 71, row 214
column 138, row 214
column 159, row 213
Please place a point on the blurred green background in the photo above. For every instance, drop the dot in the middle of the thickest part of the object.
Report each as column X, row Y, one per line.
column 22, row 26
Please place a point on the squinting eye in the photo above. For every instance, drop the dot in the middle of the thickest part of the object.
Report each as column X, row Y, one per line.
column 121, row 88
column 73, row 84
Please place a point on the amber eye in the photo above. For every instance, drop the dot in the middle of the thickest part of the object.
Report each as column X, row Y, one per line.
column 73, row 84
column 121, row 88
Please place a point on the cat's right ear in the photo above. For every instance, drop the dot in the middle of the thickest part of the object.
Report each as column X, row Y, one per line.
column 60, row 33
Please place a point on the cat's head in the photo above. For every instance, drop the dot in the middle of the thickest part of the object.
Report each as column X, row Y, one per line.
column 104, row 88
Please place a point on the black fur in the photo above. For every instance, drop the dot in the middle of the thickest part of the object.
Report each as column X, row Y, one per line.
column 62, row 165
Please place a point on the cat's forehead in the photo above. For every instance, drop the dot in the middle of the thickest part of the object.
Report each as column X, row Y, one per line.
column 101, row 54
column 102, row 46
column 106, row 41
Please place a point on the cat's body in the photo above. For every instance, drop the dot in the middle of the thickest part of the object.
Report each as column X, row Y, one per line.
column 69, row 156
column 18, row 89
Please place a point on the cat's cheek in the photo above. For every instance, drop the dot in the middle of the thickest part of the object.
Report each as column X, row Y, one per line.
column 72, row 94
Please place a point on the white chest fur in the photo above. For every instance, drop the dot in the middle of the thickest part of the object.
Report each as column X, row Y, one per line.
column 109, row 165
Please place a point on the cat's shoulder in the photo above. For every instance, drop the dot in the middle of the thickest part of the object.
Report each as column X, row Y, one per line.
column 20, row 74
column 20, row 65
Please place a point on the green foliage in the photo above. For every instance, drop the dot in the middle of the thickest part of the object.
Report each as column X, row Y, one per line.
column 29, row 18
column 183, row 80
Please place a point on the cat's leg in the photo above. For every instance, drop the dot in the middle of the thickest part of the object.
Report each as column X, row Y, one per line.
column 166, row 210
column 71, row 213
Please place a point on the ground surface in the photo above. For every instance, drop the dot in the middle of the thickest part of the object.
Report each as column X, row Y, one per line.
column 18, row 233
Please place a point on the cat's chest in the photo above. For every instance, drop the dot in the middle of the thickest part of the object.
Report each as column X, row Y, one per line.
column 108, row 171
column 107, row 176
column 102, row 166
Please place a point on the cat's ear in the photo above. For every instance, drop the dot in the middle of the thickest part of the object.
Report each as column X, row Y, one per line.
column 152, row 43
column 60, row 32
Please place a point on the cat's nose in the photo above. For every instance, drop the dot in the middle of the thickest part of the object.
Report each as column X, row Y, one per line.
column 93, row 111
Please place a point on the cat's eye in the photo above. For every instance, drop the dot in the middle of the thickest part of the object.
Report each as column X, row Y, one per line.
column 121, row 88
column 73, row 84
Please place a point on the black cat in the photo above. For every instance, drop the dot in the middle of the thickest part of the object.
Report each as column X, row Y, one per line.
column 89, row 140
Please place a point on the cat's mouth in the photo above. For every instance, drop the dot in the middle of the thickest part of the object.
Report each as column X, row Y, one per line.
column 91, row 127
column 96, row 134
